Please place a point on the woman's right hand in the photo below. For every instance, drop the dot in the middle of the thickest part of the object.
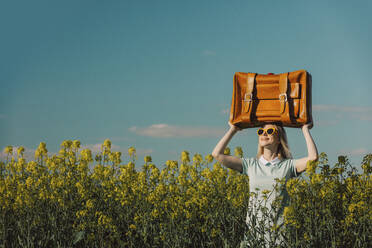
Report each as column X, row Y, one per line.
column 234, row 128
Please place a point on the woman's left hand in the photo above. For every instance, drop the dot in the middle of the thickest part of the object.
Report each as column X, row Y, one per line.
column 307, row 126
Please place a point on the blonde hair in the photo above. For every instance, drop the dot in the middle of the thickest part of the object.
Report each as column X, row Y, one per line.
column 283, row 147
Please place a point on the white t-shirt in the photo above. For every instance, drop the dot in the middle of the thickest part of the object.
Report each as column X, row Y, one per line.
column 262, row 174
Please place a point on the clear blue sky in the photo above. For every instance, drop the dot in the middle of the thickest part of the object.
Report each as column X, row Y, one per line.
column 157, row 75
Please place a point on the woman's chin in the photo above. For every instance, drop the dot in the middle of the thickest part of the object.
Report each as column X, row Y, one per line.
column 265, row 143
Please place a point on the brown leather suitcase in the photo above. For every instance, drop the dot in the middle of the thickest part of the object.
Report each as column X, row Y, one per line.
column 261, row 98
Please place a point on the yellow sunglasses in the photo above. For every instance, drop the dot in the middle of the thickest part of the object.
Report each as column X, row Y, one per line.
column 269, row 131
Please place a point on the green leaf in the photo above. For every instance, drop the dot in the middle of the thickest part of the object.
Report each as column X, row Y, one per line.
column 78, row 236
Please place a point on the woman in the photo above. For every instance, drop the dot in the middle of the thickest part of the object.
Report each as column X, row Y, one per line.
column 273, row 160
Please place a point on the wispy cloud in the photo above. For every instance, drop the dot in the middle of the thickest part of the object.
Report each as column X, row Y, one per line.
column 117, row 139
column 142, row 151
column 96, row 148
column 169, row 131
column 326, row 122
column 208, row 53
column 365, row 117
column 346, row 109
column 355, row 152
column 354, row 112
column 29, row 154
column 2, row 116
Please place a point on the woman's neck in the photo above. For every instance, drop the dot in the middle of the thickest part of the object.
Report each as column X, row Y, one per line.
column 269, row 154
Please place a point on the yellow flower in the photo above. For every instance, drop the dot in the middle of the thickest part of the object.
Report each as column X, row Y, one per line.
column 226, row 151
column 323, row 192
column 209, row 158
column 197, row 159
column 171, row 164
column 341, row 159
column 214, row 232
column 86, row 155
column 155, row 213
column 311, row 166
column 194, row 174
column 154, row 173
column 117, row 156
column 185, row 157
column 8, row 150
column 81, row 213
column 206, row 173
column 31, row 167
column 76, row 144
column 131, row 151
column 340, row 170
column 317, row 178
column 66, row 144
column 130, row 166
column 289, row 217
column 98, row 157
column 107, row 143
column 137, row 218
column 89, row 204
column 20, row 150
column 183, row 169
column 306, row 237
column 147, row 159
column 238, row 151
column 37, row 153
column 42, row 148
column 162, row 236
column 274, row 227
column 29, row 182
column 188, row 214
column 62, row 152
column 104, row 220
column 265, row 191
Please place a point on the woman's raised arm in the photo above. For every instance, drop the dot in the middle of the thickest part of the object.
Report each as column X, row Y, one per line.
column 231, row 162
column 312, row 152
